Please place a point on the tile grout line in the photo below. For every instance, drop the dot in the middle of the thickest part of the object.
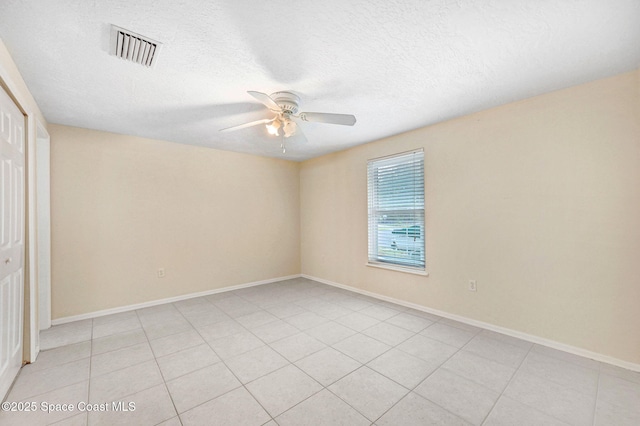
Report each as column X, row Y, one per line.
column 551, row 381
column 361, row 364
column 523, row 403
column 412, row 390
column 554, row 356
column 227, row 367
column 207, row 343
column 71, row 384
column 293, row 363
column 595, row 403
column 477, row 333
column 494, row 340
column 164, row 382
column 346, row 402
column 52, row 390
column 90, row 366
column 122, row 348
column 298, row 403
column 21, row 371
column 515, row 373
column 57, row 365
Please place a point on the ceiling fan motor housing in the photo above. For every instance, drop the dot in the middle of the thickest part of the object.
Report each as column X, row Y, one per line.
column 288, row 101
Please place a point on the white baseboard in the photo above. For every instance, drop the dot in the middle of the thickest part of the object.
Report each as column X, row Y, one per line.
column 509, row 332
column 104, row 312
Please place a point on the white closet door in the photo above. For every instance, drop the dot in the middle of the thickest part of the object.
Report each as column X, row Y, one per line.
column 12, row 155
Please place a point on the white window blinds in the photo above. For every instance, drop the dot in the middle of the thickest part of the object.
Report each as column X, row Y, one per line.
column 396, row 210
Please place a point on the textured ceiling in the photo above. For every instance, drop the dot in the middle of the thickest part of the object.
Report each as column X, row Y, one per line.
column 395, row 64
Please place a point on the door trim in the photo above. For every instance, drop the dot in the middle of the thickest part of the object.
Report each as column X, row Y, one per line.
column 43, row 208
column 14, row 252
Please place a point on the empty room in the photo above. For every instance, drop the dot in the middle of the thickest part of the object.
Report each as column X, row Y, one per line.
column 376, row 213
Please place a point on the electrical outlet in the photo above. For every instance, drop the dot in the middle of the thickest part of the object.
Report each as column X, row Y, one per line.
column 161, row 273
column 473, row 286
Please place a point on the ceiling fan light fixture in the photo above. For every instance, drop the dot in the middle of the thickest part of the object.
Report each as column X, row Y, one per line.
column 285, row 106
column 289, row 128
column 273, row 127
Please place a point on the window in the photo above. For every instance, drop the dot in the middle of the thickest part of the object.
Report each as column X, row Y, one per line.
column 396, row 210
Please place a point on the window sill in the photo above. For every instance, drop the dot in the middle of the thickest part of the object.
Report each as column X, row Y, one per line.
column 398, row 269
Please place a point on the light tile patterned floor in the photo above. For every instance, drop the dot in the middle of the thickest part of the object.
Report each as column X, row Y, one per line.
column 298, row 353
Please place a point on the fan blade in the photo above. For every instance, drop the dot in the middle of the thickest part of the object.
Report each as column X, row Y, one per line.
column 322, row 117
column 245, row 125
column 266, row 100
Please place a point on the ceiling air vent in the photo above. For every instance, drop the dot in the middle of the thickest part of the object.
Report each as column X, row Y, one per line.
column 133, row 47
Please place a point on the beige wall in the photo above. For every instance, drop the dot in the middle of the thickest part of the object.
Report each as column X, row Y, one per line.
column 124, row 206
column 538, row 200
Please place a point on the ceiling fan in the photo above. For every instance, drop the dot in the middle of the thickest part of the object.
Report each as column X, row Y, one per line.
column 285, row 106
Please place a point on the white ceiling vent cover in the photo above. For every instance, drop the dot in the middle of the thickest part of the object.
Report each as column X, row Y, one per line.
column 133, row 47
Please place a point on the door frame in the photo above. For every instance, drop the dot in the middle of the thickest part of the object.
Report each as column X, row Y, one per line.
column 43, row 210
column 30, row 332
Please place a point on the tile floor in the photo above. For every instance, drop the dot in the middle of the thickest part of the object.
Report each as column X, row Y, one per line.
column 298, row 353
